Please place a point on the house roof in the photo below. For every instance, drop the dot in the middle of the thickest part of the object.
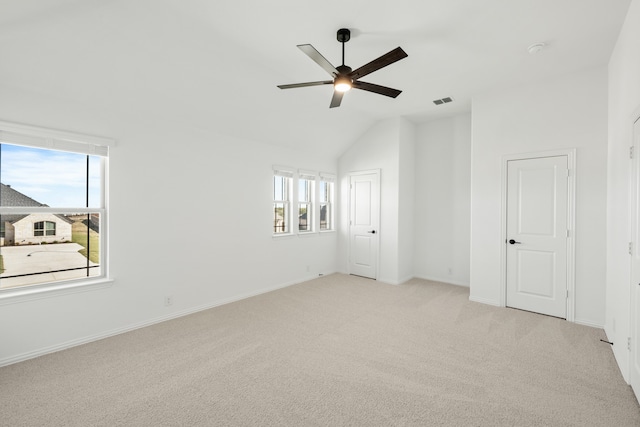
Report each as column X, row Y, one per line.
column 14, row 198
column 11, row 197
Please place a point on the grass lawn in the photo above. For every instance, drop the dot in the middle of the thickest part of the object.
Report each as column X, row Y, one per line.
column 79, row 236
column 1, row 264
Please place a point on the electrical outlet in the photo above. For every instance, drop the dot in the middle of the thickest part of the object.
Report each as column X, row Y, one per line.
column 168, row 300
column 450, row 271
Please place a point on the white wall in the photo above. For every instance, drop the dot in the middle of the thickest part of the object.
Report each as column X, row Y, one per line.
column 218, row 187
column 442, row 200
column 564, row 112
column 406, row 200
column 624, row 108
column 386, row 146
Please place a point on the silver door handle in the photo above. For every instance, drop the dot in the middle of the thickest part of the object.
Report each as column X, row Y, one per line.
column 372, row 231
column 513, row 242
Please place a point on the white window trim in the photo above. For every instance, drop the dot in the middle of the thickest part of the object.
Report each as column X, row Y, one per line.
column 328, row 177
column 288, row 173
column 313, row 177
column 54, row 139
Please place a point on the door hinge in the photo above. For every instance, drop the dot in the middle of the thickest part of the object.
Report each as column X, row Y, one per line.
column 630, row 248
column 631, row 152
column 567, row 293
column 629, row 343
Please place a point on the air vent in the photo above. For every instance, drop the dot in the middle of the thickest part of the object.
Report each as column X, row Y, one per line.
column 442, row 101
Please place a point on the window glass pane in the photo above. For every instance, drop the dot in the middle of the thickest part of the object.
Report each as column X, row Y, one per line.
column 323, row 192
column 278, row 193
column 30, row 258
column 48, row 177
column 303, row 190
column 95, row 182
column 324, row 218
column 304, row 217
column 280, row 220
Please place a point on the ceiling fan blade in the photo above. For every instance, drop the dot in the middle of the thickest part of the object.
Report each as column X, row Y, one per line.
column 294, row 85
column 386, row 59
column 382, row 90
column 317, row 57
column 337, row 99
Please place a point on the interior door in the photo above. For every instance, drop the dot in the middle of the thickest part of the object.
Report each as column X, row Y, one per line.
column 364, row 223
column 537, row 206
column 634, row 375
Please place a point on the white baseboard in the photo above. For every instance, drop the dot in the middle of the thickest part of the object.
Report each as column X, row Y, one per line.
column 448, row 280
column 485, row 301
column 84, row 340
column 395, row 282
column 588, row 323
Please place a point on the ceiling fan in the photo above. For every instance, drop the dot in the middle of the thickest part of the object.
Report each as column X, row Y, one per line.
column 344, row 78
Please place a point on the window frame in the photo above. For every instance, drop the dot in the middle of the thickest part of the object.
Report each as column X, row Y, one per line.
column 330, row 179
column 58, row 140
column 44, row 230
column 310, row 201
column 287, row 202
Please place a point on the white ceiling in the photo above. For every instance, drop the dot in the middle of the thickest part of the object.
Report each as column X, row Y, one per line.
column 214, row 64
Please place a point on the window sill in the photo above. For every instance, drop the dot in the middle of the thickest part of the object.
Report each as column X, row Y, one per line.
column 26, row 294
column 327, row 231
column 282, row 236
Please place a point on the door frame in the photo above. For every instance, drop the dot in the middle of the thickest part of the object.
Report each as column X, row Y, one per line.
column 357, row 173
column 571, row 222
column 634, row 214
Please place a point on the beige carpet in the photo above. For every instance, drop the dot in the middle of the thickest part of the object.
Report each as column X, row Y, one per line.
column 336, row 351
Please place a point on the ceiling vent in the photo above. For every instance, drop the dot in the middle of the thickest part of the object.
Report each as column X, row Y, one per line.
column 442, row 101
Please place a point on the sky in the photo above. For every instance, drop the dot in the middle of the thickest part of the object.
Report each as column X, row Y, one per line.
column 55, row 178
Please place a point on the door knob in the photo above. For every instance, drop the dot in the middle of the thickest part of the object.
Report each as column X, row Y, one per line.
column 513, row 242
column 372, row 231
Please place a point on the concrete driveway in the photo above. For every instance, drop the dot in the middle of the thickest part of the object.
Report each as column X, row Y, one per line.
column 41, row 258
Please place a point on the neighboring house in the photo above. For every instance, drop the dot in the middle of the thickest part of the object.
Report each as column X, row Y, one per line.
column 26, row 229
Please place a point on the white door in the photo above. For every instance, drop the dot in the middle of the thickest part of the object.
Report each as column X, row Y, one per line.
column 537, row 204
column 634, row 375
column 364, row 223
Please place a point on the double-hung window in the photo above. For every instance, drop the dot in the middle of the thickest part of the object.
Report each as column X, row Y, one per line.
column 306, row 186
column 326, row 201
column 282, row 181
column 52, row 209
column 303, row 202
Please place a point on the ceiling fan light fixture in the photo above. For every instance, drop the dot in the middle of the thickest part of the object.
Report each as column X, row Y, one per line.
column 342, row 84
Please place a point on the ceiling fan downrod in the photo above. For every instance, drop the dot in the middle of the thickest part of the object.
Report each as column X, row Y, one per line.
column 343, row 36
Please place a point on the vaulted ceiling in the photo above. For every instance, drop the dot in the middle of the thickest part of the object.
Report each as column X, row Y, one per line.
column 214, row 65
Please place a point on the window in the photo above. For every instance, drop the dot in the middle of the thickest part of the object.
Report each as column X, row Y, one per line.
column 306, row 183
column 326, row 202
column 52, row 192
column 306, row 198
column 44, row 228
column 281, row 201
